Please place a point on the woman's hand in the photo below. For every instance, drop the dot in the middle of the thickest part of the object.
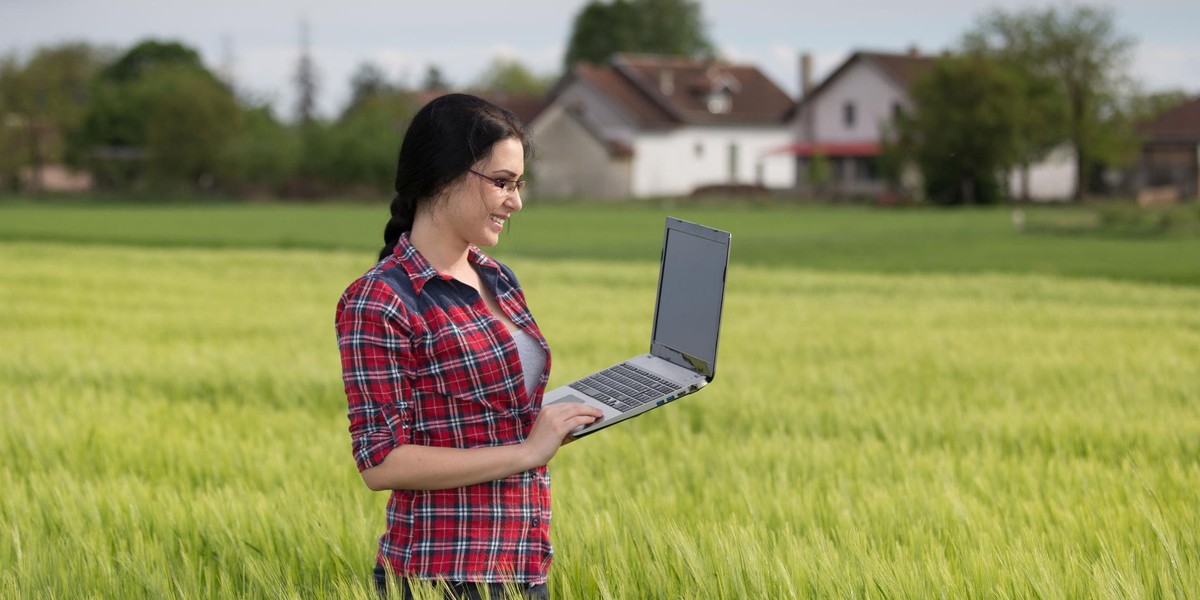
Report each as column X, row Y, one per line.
column 553, row 428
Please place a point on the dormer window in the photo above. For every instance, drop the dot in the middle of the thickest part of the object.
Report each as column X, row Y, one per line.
column 720, row 94
column 720, row 102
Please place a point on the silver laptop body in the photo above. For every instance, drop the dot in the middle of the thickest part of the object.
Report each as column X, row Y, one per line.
column 683, row 340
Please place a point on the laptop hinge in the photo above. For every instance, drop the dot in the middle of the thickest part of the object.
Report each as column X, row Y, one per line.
column 697, row 364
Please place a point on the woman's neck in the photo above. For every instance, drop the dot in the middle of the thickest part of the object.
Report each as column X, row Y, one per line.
column 443, row 251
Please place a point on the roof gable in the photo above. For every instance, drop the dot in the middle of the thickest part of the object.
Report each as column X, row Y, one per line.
column 705, row 92
column 900, row 69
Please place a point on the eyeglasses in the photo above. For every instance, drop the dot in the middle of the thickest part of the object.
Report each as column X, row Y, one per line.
column 509, row 186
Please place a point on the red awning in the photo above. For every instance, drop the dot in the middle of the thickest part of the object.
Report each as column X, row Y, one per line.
column 831, row 149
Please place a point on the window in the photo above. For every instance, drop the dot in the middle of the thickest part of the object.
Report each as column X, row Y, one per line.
column 699, row 149
column 733, row 162
column 719, row 103
column 848, row 114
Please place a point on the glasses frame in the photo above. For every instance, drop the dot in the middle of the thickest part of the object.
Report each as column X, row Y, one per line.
column 508, row 185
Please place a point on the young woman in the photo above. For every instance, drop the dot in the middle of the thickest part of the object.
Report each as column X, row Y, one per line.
column 445, row 368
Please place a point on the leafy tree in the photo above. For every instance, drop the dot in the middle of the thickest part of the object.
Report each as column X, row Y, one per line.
column 161, row 115
column 509, row 75
column 964, row 132
column 148, row 55
column 262, row 155
column 652, row 26
column 44, row 101
column 367, row 81
column 306, row 81
column 1080, row 53
column 191, row 118
column 359, row 150
column 434, row 79
column 1146, row 106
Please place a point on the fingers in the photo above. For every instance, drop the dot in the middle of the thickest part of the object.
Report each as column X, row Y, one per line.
column 570, row 410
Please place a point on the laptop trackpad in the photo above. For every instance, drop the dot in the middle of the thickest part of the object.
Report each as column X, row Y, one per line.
column 577, row 400
column 568, row 398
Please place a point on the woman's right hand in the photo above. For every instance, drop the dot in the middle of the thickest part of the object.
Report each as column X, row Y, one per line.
column 553, row 428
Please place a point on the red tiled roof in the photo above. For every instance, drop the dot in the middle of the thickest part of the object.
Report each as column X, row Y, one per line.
column 634, row 82
column 1180, row 124
column 754, row 98
column 902, row 68
column 626, row 94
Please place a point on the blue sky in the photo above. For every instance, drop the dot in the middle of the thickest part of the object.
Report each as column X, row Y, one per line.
column 258, row 40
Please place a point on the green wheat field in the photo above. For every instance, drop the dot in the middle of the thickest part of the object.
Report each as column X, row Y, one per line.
column 908, row 404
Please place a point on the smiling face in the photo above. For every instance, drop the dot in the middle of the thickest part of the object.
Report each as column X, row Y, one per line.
column 475, row 210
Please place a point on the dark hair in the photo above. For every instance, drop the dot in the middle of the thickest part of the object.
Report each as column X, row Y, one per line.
column 443, row 141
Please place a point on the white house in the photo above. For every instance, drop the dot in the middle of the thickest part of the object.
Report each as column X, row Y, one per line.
column 648, row 126
column 845, row 119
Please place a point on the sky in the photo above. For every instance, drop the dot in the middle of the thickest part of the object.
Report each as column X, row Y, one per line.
column 257, row 42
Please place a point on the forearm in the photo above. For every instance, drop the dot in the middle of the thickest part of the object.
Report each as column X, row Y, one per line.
column 413, row 467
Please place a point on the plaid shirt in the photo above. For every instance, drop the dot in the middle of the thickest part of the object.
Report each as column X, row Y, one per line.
column 425, row 362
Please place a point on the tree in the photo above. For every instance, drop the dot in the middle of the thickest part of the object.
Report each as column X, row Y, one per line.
column 44, row 102
column 151, row 54
column 1080, row 52
column 190, row 120
column 306, row 81
column 262, row 155
column 964, row 130
column 367, row 81
column 510, row 76
column 1145, row 106
column 434, row 79
column 160, row 115
column 652, row 26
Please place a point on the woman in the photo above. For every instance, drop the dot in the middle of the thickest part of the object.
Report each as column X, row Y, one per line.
column 445, row 368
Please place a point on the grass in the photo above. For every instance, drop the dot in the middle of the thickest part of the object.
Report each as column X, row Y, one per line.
column 835, row 239
column 172, row 425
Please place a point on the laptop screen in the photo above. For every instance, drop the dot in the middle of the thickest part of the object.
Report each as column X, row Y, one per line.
column 690, row 292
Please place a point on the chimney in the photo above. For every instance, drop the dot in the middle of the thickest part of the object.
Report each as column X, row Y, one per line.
column 806, row 83
column 666, row 82
column 914, row 51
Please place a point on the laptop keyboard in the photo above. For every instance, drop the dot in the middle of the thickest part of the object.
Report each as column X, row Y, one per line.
column 624, row 387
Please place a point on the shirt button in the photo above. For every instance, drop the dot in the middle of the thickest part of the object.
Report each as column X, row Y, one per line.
column 536, row 521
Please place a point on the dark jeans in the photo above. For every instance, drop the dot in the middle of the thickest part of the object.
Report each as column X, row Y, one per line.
column 463, row 590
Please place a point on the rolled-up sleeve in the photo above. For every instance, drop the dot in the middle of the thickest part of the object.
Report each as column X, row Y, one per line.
column 373, row 339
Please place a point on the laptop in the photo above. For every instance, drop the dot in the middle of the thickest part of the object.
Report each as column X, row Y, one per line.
column 683, row 339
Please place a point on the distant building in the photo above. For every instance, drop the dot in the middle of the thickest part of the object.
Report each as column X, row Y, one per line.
column 847, row 117
column 661, row 126
column 1170, row 156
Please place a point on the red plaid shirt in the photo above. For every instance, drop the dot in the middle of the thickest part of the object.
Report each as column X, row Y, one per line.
column 425, row 362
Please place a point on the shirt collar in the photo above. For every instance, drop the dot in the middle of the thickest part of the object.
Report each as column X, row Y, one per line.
column 420, row 271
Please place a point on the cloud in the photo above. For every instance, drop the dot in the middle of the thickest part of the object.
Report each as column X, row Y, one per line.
column 1162, row 66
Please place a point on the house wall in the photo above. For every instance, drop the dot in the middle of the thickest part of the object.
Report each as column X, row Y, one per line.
column 873, row 97
column 675, row 163
column 1171, row 165
column 1052, row 179
column 571, row 163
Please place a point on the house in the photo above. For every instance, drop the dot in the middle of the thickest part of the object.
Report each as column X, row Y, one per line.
column 844, row 120
column 840, row 127
column 646, row 126
column 1170, row 156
